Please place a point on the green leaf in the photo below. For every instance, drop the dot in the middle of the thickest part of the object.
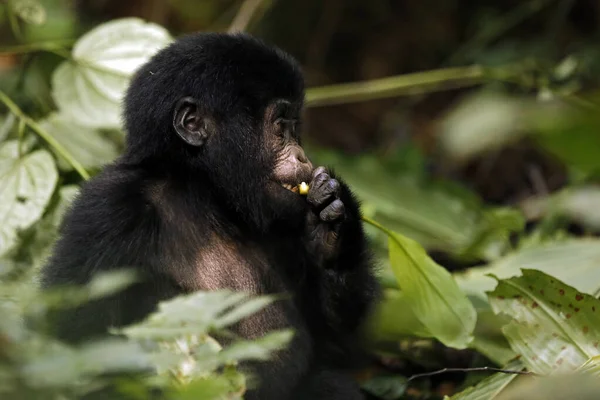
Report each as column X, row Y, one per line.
column 432, row 293
column 60, row 365
column 195, row 314
column 482, row 122
column 591, row 366
column 394, row 318
column 46, row 230
column 230, row 386
column 26, row 186
column 554, row 327
column 88, row 146
column 559, row 387
column 257, row 349
column 89, row 88
column 7, row 122
column 488, row 337
column 582, row 256
column 489, row 388
column 438, row 215
column 386, row 387
column 30, row 11
column 572, row 135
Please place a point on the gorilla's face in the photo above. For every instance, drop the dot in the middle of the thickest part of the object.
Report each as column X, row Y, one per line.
column 291, row 167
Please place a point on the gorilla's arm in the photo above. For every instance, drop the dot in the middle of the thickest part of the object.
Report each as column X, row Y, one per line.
column 348, row 287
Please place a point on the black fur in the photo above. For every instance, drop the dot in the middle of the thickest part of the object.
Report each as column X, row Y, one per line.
column 200, row 217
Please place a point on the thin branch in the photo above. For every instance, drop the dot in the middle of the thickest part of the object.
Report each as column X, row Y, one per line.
column 408, row 84
column 474, row 369
column 34, row 126
column 244, row 15
column 57, row 45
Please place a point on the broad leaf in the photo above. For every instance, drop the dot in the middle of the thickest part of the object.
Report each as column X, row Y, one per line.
column 89, row 88
column 483, row 122
column 572, row 135
column 591, row 366
column 26, row 186
column 7, row 123
column 432, row 293
column 439, row 215
column 60, row 366
column 88, row 146
column 196, row 314
column 257, row 349
column 230, row 385
column 30, row 11
column 488, row 337
column 582, row 256
column 554, row 327
column 560, row 387
column 394, row 318
column 489, row 388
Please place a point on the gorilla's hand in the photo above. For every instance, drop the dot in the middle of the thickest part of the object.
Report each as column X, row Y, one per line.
column 325, row 217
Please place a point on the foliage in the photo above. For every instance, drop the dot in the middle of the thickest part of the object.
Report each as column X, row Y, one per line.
column 529, row 305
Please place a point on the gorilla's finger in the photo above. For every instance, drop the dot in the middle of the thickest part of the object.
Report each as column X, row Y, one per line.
column 318, row 171
column 333, row 212
column 323, row 191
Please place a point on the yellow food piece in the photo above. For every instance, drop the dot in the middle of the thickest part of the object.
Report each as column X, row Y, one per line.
column 303, row 188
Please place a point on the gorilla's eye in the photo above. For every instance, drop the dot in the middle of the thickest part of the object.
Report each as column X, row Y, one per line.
column 286, row 125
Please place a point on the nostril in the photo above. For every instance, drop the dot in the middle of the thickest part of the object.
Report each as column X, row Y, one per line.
column 300, row 156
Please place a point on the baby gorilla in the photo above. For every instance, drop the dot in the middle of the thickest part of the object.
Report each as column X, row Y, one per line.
column 203, row 198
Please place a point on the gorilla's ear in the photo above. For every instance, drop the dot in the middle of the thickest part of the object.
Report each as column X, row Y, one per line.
column 191, row 123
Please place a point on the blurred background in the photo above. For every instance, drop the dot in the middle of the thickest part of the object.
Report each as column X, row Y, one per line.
column 472, row 127
column 535, row 50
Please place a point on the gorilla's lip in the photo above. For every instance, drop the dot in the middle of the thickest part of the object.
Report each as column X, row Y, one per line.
column 291, row 183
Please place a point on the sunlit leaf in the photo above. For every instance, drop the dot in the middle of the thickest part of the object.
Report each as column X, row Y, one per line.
column 432, row 293
column 61, row 366
column 6, row 124
column 195, row 314
column 482, row 122
column 591, row 366
column 554, row 327
column 229, row 385
column 559, row 387
column 88, row 146
column 258, row 349
column 489, row 388
column 30, row 11
column 26, row 186
column 89, row 88
column 575, row 262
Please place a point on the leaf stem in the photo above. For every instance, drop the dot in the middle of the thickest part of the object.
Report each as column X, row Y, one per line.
column 408, row 84
column 34, row 126
column 377, row 225
column 52, row 47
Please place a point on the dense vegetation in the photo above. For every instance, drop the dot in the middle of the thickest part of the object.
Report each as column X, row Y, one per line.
column 514, row 286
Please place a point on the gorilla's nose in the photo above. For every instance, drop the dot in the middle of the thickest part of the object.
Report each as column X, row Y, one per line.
column 300, row 155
